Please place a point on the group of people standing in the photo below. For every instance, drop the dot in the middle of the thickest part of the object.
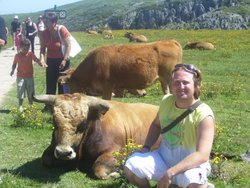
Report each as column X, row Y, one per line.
column 51, row 55
column 28, row 29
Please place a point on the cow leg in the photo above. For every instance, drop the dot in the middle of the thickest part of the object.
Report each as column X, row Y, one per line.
column 119, row 92
column 107, row 92
column 105, row 167
column 164, row 85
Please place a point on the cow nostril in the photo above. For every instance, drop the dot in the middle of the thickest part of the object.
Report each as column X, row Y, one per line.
column 62, row 154
column 69, row 153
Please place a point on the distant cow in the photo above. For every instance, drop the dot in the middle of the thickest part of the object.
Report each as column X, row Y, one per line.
column 135, row 38
column 108, row 36
column 105, row 31
column 134, row 66
column 93, row 32
column 87, row 130
column 199, row 45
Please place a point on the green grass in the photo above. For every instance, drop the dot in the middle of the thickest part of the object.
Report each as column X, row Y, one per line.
column 226, row 79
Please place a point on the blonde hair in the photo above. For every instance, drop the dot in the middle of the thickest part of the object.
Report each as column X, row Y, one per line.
column 196, row 78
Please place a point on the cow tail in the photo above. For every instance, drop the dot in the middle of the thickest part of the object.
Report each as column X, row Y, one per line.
column 126, row 141
column 128, row 136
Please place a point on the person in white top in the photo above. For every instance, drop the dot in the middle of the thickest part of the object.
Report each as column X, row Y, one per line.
column 40, row 26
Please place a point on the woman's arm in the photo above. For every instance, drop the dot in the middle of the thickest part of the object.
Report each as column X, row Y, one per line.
column 35, row 27
column 13, row 69
column 67, row 45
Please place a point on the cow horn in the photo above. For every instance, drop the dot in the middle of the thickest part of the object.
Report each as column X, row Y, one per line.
column 48, row 99
column 63, row 72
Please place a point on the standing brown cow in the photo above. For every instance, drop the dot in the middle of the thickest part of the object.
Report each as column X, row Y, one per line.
column 135, row 66
column 87, row 131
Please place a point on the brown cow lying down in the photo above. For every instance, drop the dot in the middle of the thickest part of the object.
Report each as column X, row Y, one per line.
column 87, row 130
column 199, row 45
column 108, row 36
column 93, row 32
column 135, row 38
column 134, row 66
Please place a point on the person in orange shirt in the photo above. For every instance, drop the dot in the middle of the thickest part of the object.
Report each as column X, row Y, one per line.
column 25, row 81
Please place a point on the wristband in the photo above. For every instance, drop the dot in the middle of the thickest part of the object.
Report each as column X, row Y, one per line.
column 146, row 146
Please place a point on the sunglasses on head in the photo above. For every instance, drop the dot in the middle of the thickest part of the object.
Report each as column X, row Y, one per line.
column 187, row 67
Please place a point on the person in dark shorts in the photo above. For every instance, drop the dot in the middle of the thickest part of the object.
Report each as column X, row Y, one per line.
column 31, row 31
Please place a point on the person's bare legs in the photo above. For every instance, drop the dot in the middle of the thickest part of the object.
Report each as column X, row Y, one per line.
column 132, row 178
column 20, row 103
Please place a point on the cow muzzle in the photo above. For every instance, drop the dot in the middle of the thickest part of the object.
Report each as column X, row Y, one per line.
column 64, row 153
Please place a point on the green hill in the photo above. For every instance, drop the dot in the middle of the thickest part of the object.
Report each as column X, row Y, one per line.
column 157, row 14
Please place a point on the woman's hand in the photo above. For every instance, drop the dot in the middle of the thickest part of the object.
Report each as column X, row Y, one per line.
column 43, row 64
column 145, row 149
column 165, row 180
column 63, row 63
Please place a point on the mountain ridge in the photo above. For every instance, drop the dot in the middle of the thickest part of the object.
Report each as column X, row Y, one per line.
column 156, row 14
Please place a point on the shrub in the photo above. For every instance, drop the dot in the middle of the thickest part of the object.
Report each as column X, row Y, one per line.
column 121, row 157
column 217, row 166
column 30, row 117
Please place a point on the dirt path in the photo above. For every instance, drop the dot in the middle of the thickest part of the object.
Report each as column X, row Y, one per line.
column 6, row 81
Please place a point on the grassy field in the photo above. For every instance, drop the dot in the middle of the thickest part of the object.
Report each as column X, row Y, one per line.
column 226, row 79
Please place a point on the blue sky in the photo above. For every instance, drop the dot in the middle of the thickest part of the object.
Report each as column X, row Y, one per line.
column 29, row 6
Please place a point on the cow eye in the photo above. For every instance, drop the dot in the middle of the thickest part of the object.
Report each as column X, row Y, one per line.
column 81, row 127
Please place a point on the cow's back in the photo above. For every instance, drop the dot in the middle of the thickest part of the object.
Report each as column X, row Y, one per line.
column 119, row 64
column 134, row 66
column 170, row 54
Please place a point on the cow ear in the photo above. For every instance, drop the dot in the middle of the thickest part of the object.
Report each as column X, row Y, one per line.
column 96, row 109
column 65, row 76
column 64, row 79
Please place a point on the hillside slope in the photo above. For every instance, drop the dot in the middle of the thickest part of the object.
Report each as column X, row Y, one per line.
column 160, row 14
column 140, row 14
